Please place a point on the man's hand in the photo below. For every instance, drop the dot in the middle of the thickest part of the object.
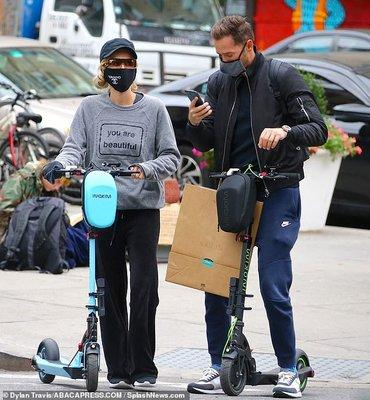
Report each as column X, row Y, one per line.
column 140, row 174
column 270, row 137
column 196, row 114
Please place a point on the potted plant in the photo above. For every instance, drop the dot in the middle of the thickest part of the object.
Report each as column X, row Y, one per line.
column 321, row 170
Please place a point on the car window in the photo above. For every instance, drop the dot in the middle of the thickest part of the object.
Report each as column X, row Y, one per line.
column 353, row 44
column 66, row 5
column 319, row 44
column 45, row 70
column 335, row 94
column 202, row 88
column 93, row 17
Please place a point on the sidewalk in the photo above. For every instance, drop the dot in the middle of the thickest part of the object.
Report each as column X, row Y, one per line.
column 330, row 295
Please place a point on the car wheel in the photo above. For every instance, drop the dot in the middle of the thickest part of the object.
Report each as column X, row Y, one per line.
column 189, row 171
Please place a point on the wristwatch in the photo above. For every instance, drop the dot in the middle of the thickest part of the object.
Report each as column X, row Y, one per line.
column 286, row 128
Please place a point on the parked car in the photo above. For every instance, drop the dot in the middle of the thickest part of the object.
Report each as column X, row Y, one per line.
column 59, row 81
column 345, row 78
column 323, row 41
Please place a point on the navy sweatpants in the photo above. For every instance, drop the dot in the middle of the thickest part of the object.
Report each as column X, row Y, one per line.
column 278, row 231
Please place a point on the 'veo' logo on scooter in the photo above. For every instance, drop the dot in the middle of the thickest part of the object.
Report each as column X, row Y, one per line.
column 101, row 196
column 114, row 79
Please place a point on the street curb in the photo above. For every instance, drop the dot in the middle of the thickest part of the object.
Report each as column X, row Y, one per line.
column 10, row 362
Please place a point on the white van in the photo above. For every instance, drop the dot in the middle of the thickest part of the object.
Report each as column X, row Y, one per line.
column 172, row 37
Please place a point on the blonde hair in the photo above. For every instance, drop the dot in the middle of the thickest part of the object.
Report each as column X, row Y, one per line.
column 99, row 80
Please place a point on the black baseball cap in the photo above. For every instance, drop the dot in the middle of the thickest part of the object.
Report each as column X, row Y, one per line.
column 117, row 44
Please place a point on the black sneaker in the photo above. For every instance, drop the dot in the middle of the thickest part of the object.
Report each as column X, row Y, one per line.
column 288, row 385
column 145, row 382
column 208, row 383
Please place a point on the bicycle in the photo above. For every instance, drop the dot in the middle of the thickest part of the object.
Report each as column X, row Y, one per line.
column 54, row 138
column 238, row 367
column 20, row 144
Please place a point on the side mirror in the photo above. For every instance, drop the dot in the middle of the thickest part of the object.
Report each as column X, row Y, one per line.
column 352, row 113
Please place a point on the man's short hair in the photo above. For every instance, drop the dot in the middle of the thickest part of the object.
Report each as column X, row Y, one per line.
column 233, row 25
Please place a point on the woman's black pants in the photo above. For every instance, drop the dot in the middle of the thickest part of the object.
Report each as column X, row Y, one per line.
column 129, row 342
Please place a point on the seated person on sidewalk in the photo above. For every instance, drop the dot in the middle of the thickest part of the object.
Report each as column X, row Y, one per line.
column 28, row 182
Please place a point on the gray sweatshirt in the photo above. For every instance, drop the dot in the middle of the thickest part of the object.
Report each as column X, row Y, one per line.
column 141, row 134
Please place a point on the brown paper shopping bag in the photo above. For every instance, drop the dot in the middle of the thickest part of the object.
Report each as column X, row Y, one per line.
column 203, row 257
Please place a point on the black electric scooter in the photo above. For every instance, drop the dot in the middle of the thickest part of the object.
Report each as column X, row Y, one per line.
column 238, row 367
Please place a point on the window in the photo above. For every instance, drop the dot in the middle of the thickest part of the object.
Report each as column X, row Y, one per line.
column 353, row 44
column 175, row 14
column 335, row 94
column 94, row 18
column 202, row 88
column 66, row 5
column 45, row 70
column 318, row 44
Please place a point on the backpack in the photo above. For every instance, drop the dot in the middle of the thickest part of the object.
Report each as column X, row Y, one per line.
column 273, row 74
column 36, row 237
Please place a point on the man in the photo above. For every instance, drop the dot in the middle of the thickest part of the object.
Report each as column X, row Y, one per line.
column 27, row 183
column 23, row 184
column 247, row 123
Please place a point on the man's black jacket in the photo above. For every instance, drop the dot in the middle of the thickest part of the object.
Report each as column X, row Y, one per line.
column 296, row 108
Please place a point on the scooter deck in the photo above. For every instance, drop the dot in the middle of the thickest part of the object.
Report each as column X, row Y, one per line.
column 271, row 377
column 57, row 368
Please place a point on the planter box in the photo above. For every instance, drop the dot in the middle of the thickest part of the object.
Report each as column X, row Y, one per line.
column 317, row 188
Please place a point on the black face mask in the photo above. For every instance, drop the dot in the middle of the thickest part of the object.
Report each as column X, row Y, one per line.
column 235, row 67
column 120, row 78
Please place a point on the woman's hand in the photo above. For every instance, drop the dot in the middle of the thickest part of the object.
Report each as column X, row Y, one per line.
column 140, row 173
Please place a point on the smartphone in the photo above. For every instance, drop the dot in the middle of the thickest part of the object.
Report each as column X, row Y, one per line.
column 192, row 94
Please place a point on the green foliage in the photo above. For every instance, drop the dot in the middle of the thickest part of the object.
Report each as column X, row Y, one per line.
column 316, row 89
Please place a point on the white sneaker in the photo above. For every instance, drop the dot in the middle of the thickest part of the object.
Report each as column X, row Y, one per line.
column 208, row 383
column 120, row 385
column 288, row 385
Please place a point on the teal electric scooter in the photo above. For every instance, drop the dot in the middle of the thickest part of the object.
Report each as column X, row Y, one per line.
column 99, row 209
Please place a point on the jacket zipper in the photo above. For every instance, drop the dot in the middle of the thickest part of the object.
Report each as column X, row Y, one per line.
column 300, row 102
column 267, row 193
column 227, row 127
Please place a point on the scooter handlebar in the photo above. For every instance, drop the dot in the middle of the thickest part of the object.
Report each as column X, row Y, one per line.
column 262, row 176
column 73, row 171
column 284, row 175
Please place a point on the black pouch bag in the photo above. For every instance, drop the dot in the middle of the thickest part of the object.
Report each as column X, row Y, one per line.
column 236, row 199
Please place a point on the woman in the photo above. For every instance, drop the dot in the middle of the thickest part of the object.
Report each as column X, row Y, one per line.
column 135, row 130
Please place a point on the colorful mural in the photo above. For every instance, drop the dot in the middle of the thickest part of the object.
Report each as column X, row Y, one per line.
column 311, row 15
column 274, row 20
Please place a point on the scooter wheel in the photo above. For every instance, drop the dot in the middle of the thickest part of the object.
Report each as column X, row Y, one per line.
column 48, row 350
column 302, row 361
column 232, row 380
column 92, row 372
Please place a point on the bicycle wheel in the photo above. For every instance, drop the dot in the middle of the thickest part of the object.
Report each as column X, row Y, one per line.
column 28, row 146
column 52, row 136
column 72, row 193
